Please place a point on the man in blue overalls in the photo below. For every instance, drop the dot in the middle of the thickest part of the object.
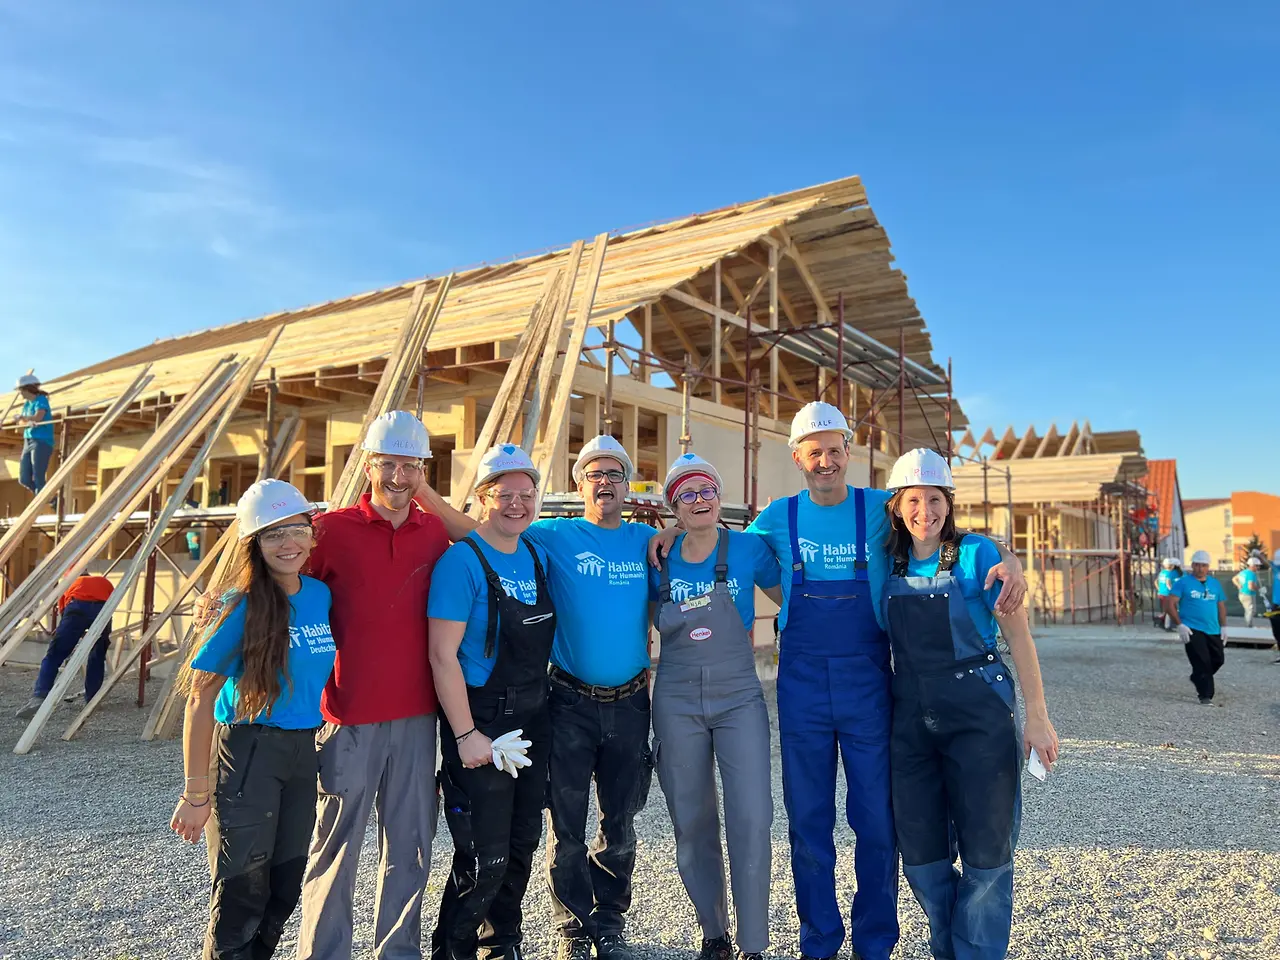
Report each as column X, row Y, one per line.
column 833, row 686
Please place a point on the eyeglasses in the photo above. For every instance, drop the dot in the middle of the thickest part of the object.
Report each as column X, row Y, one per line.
column 691, row 496
column 299, row 532
column 599, row 476
column 507, row 497
column 388, row 467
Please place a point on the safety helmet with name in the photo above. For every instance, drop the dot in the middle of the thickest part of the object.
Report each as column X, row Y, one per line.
column 267, row 502
column 684, row 467
column 27, row 380
column 400, row 433
column 920, row 467
column 506, row 458
column 602, row 446
column 1168, row 563
column 1201, row 556
column 818, row 417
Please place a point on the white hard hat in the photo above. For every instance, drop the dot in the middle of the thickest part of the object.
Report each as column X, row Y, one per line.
column 1275, row 558
column 1201, row 556
column 1168, row 563
column 27, row 380
column 506, row 458
column 1255, row 561
column 602, row 446
column 398, row 432
column 268, row 501
column 689, row 465
column 818, row 417
column 920, row 467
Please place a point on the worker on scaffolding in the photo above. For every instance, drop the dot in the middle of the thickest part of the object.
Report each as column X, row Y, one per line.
column 1249, row 588
column 709, row 708
column 1199, row 608
column 833, row 684
column 1165, row 580
column 36, row 419
column 956, row 733
column 78, row 608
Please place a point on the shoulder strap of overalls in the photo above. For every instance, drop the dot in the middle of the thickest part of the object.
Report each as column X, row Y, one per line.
column 949, row 555
column 664, row 582
column 539, row 577
column 860, row 548
column 495, row 591
column 722, row 557
column 793, row 528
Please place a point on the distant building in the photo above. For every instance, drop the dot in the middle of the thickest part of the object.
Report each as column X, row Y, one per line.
column 1223, row 525
column 1209, row 528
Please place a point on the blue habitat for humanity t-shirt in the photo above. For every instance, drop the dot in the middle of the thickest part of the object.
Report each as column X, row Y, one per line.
column 460, row 592
column 827, row 538
column 977, row 556
column 311, row 654
column 1165, row 581
column 751, row 562
column 1275, row 583
column 1248, row 583
column 1198, row 603
column 42, row 431
column 599, row 584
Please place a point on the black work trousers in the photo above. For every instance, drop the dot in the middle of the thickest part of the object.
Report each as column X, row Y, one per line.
column 1275, row 629
column 264, row 808
column 1205, row 651
column 496, row 822
column 607, row 742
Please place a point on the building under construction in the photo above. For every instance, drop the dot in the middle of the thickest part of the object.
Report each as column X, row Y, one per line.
column 705, row 333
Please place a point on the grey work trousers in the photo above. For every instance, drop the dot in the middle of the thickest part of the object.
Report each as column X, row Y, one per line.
column 389, row 767
column 699, row 723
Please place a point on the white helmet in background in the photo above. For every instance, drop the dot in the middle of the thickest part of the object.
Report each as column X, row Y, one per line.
column 920, row 467
column 1201, row 556
column 689, row 465
column 1255, row 561
column 818, row 417
column 27, row 380
column 602, row 446
column 1168, row 563
column 506, row 458
column 267, row 502
column 400, row 433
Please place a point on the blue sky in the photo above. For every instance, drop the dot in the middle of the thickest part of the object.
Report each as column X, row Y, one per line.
column 1084, row 197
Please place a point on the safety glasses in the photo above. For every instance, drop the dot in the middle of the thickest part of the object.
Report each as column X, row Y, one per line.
column 692, row 496
column 297, row 532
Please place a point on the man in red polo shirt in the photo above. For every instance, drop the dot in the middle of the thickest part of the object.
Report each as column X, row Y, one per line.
column 378, row 745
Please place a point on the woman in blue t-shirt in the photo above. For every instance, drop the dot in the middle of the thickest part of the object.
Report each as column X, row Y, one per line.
column 255, row 695
column 709, row 710
column 36, row 419
column 955, row 749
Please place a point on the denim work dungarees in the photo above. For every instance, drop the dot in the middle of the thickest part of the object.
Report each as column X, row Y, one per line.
column 956, row 757
column 709, row 709
column 833, row 692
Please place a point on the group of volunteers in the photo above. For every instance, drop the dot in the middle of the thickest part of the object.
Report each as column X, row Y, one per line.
column 314, row 698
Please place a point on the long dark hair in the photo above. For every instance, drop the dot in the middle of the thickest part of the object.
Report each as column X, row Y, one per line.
column 898, row 543
column 264, row 646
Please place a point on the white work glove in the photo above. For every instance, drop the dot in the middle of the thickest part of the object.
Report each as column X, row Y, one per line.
column 1224, row 636
column 509, row 752
column 1184, row 633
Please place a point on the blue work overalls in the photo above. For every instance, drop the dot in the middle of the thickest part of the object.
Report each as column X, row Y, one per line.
column 833, row 692
column 956, row 760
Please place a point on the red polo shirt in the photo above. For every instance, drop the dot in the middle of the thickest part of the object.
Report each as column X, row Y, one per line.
column 379, row 577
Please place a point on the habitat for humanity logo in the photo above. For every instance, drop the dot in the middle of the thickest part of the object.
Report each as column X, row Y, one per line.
column 590, row 564
column 808, row 550
column 318, row 636
column 681, row 590
column 526, row 591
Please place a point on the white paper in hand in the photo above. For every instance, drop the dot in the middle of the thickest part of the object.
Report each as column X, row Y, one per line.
column 1035, row 766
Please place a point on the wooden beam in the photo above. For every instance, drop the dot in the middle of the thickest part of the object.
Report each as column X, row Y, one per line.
column 717, row 388
column 690, row 347
column 646, row 341
column 773, row 325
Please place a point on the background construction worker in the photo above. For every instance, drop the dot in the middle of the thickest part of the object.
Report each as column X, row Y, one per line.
column 1249, row 588
column 955, row 715
column 1199, row 608
column 492, row 624
column 1273, row 615
column 1164, row 583
column 255, row 693
column 708, row 708
column 37, row 434
column 378, row 743
column 79, row 607
column 833, row 685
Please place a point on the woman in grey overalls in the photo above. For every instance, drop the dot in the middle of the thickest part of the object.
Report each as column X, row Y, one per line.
column 955, row 749
column 709, row 710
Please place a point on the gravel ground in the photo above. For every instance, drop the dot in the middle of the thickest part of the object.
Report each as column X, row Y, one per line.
column 1155, row 838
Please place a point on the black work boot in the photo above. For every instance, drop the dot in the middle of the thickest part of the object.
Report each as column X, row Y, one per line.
column 716, row 948
column 613, row 946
